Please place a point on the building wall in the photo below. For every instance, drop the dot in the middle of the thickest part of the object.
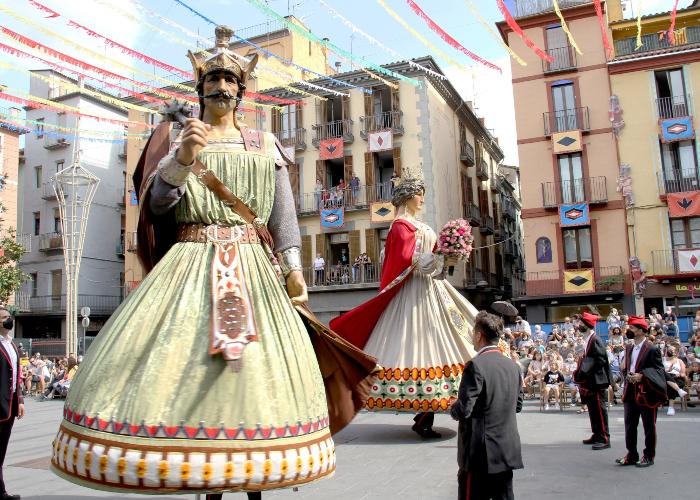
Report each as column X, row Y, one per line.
column 9, row 168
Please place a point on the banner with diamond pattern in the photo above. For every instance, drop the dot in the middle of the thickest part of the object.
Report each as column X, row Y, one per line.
column 688, row 260
column 381, row 140
column 382, row 211
column 579, row 281
column 576, row 214
column 677, row 129
column 566, row 142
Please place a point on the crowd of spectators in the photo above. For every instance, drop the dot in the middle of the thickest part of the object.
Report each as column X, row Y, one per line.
column 47, row 378
column 349, row 193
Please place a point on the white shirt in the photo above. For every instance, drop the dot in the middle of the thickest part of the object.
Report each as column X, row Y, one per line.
column 635, row 355
column 487, row 347
column 12, row 354
column 523, row 326
column 319, row 263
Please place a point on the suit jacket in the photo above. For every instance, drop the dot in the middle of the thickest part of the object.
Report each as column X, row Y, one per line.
column 651, row 391
column 593, row 372
column 489, row 397
column 10, row 397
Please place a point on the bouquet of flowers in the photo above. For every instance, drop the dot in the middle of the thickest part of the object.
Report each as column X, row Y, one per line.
column 455, row 240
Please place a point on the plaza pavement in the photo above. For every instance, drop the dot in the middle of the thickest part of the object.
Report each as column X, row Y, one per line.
column 379, row 457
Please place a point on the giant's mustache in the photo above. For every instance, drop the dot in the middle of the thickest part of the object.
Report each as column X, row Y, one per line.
column 222, row 94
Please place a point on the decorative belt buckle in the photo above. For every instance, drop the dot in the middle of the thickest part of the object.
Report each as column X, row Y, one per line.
column 212, row 234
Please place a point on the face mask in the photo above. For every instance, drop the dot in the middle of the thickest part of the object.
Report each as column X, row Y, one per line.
column 629, row 334
column 582, row 328
column 8, row 324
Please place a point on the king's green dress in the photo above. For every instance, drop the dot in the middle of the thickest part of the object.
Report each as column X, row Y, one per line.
column 150, row 410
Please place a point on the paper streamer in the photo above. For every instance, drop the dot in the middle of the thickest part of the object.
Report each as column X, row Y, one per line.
column 475, row 12
column 671, row 33
column 512, row 24
column 448, row 38
column 71, row 130
column 603, row 27
column 565, row 27
column 43, row 8
column 377, row 43
column 420, row 37
column 639, row 44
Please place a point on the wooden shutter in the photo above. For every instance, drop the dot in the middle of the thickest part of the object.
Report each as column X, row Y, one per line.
column 321, row 172
column 368, row 105
column 321, row 246
column 470, row 190
column 369, row 169
column 321, row 112
column 300, row 117
column 395, row 104
column 354, row 237
column 397, row 161
column 276, row 121
column 307, row 256
column 464, row 178
column 294, row 181
column 347, row 169
column 371, row 243
column 345, row 102
column 484, row 201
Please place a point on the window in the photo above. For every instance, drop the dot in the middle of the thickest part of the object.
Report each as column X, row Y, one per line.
column 670, row 93
column 37, row 223
column 56, row 221
column 34, row 278
column 40, row 128
column 38, row 177
column 571, row 175
column 680, row 166
column 59, row 165
column 685, row 233
column 577, row 248
column 558, row 48
column 564, row 115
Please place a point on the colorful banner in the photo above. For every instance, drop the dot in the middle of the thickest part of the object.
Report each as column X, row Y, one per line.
column 70, row 130
column 574, row 215
column 380, row 140
column 331, row 148
column 565, row 27
column 512, row 24
column 639, row 44
column 579, row 281
column 683, row 204
column 603, row 27
column 332, row 218
column 566, row 142
column 493, row 33
column 134, row 199
column 671, row 29
column 448, row 38
column 381, row 211
column 688, row 260
column 677, row 129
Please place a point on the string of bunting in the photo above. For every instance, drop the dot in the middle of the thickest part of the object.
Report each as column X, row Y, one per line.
column 475, row 12
column 639, row 44
column 603, row 27
column 355, row 29
column 448, row 38
column 59, row 135
column 71, row 130
column 565, row 27
column 418, row 36
column 671, row 32
column 512, row 24
column 330, row 46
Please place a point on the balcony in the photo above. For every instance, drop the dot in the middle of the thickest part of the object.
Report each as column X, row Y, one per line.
column 119, row 250
column 333, row 130
column 52, row 142
column 123, row 150
column 665, row 263
column 508, row 209
column 487, row 225
column 509, row 249
column 524, row 8
column 678, row 181
column 47, row 191
column 684, row 36
column 472, row 213
column 121, row 200
column 50, row 242
column 466, row 153
column 102, row 305
column 482, row 170
column 674, row 107
column 349, row 198
column 593, row 190
column 131, row 241
column 551, row 283
column 566, row 119
column 564, row 59
column 293, row 137
column 392, row 120
column 342, row 277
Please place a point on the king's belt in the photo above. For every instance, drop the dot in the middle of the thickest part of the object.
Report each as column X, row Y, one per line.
column 203, row 233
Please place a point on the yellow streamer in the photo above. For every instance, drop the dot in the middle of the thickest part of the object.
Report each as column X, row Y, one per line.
column 566, row 28
column 280, row 82
column 420, row 37
column 639, row 44
column 72, row 130
column 493, row 33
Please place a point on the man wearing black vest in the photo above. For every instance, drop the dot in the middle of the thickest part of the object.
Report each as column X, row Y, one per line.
column 489, row 397
column 11, row 400
column 645, row 391
column 593, row 377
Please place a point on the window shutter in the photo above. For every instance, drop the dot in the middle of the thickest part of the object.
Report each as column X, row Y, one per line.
column 395, row 105
column 346, row 107
column 321, row 246
column 354, row 237
column 276, row 121
column 465, row 193
column 347, row 169
column 368, row 105
column 300, row 117
column 306, row 251
column 371, row 246
column 397, row 161
column 294, row 181
column 369, row 171
column 321, row 172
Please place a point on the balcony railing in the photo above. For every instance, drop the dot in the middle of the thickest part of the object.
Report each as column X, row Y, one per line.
column 564, row 58
column 509, row 249
column 47, row 191
column 508, row 207
column 466, row 153
column 678, row 181
column 674, row 107
column 293, row 137
column 53, row 142
column 487, row 225
column 685, row 36
column 607, row 279
column 392, row 120
column 121, row 196
column 566, row 119
column 342, row 276
column 665, row 263
column 472, row 213
column 49, row 242
column 120, row 246
column 482, row 170
column 56, row 304
column 349, row 198
column 131, row 241
column 333, row 130
column 524, row 8
column 594, row 190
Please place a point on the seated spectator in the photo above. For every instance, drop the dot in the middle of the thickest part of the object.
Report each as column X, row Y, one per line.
column 694, row 378
column 557, row 335
column 539, row 334
column 534, row 373
column 524, row 340
column 539, row 345
column 551, row 380
column 61, row 386
column 566, row 349
column 613, row 319
column 568, row 368
column 675, row 377
column 26, row 374
column 615, row 338
column 40, row 373
column 568, row 325
column 670, row 327
column 524, row 362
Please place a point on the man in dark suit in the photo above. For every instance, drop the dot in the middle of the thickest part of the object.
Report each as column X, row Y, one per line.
column 11, row 400
column 645, row 390
column 489, row 397
column 593, row 377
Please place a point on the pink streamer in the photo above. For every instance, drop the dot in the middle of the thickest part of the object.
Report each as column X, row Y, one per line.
column 518, row 31
column 671, row 34
column 603, row 27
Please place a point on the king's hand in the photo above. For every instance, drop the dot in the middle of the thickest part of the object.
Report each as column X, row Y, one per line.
column 194, row 138
column 296, row 288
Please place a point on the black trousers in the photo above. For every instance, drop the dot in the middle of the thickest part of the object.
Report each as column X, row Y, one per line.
column 425, row 420
column 482, row 486
column 632, row 413
column 5, row 431
column 252, row 495
column 598, row 414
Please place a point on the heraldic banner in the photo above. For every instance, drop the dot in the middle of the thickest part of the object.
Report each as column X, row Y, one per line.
column 683, row 204
column 677, row 129
column 332, row 218
column 382, row 211
column 331, row 148
column 689, row 260
column 380, row 140
column 580, row 280
column 576, row 214
column 566, row 142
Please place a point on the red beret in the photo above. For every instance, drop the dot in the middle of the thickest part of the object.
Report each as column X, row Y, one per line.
column 639, row 322
column 589, row 319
